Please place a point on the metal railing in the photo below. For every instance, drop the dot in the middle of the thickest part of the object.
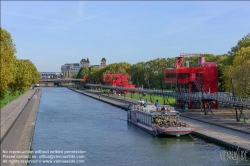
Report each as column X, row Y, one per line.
column 59, row 80
column 220, row 97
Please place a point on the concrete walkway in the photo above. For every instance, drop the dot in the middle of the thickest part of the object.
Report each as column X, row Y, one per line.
column 10, row 112
column 223, row 120
column 19, row 133
column 219, row 129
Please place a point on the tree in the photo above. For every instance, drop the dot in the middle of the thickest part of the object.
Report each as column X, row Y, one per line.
column 15, row 75
column 240, row 72
column 84, row 71
column 26, row 74
column 136, row 72
column 7, row 62
column 244, row 42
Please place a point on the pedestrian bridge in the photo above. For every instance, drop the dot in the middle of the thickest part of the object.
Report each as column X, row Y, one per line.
column 60, row 80
column 238, row 103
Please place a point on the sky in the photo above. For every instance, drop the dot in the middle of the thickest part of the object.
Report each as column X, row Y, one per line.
column 52, row 33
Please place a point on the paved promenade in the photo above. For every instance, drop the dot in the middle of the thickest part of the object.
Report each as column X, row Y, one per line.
column 10, row 112
column 217, row 128
column 18, row 135
column 223, row 118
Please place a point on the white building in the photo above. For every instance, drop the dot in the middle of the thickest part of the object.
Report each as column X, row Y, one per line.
column 85, row 62
column 103, row 63
column 70, row 69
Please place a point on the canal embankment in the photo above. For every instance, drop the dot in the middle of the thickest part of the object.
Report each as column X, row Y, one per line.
column 231, row 135
column 11, row 111
column 17, row 124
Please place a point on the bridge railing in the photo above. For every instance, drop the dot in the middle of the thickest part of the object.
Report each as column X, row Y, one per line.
column 223, row 97
column 59, row 80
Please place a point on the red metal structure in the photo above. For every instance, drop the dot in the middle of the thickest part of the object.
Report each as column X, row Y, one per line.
column 203, row 78
column 84, row 78
column 120, row 80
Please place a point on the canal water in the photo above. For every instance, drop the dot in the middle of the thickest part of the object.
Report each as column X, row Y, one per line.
column 73, row 129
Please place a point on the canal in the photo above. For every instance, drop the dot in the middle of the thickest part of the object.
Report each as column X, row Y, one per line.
column 73, row 129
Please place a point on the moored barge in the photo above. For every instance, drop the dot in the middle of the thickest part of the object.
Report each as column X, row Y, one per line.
column 163, row 120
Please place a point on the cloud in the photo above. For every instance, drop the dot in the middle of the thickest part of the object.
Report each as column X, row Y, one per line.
column 31, row 16
column 78, row 18
column 80, row 11
column 80, row 14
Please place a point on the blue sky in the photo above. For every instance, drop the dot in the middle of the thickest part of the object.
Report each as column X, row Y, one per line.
column 52, row 33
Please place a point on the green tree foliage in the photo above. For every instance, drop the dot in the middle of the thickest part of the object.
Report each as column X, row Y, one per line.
column 137, row 73
column 228, row 65
column 84, row 71
column 151, row 73
column 244, row 42
column 240, row 72
column 193, row 60
column 26, row 74
column 116, row 68
column 221, row 61
column 7, row 62
column 15, row 75
column 155, row 72
column 95, row 75
column 170, row 62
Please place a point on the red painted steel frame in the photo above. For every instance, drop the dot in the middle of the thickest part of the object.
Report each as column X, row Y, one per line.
column 207, row 74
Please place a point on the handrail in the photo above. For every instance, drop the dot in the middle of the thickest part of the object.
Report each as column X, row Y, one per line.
column 195, row 95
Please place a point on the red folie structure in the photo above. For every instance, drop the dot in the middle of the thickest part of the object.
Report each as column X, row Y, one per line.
column 119, row 80
column 84, row 79
column 203, row 78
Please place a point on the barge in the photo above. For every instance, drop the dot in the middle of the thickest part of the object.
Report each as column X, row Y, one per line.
column 161, row 120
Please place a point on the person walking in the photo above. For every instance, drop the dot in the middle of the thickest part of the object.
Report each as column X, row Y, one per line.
column 156, row 103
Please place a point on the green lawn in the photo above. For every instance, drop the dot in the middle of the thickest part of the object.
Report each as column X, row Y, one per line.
column 170, row 101
column 8, row 98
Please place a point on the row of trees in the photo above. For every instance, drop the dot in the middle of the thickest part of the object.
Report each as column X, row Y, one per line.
column 234, row 64
column 15, row 74
column 238, row 68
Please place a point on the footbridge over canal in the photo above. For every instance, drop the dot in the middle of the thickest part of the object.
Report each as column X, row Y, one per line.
column 58, row 82
column 238, row 103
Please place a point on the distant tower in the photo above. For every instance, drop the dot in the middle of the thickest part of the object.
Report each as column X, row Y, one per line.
column 103, row 63
column 84, row 62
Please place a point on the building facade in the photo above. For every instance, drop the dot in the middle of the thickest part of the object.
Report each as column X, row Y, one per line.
column 103, row 63
column 70, row 69
column 85, row 62
column 200, row 80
